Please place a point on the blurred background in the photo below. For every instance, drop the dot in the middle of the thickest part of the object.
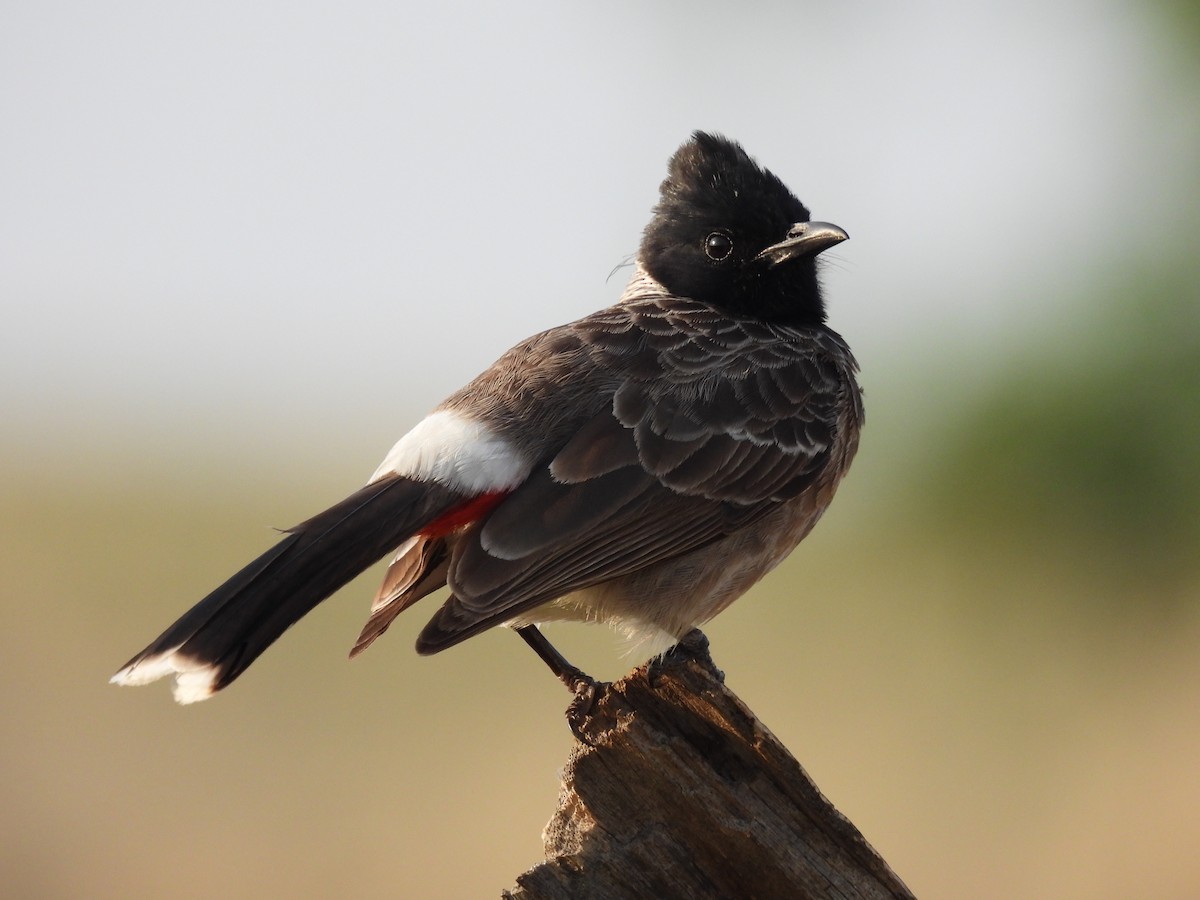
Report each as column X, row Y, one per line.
column 243, row 247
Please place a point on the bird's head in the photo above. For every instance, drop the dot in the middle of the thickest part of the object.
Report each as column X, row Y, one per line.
column 729, row 233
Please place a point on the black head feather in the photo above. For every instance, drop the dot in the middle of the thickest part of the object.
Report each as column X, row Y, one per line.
column 717, row 211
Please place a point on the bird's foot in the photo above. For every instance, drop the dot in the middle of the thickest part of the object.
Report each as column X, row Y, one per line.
column 692, row 647
column 586, row 691
column 584, row 687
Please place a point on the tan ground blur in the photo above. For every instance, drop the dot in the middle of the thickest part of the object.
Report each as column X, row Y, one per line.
column 1030, row 749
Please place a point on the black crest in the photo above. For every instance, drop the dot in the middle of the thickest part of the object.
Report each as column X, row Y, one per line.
column 718, row 210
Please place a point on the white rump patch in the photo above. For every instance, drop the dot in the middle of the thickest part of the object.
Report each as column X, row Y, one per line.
column 458, row 452
column 193, row 680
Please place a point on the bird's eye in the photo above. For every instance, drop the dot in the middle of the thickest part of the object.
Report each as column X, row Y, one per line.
column 718, row 246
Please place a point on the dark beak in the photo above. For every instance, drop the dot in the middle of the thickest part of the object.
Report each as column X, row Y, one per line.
column 803, row 239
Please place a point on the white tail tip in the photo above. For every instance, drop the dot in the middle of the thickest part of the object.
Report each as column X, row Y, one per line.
column 194, row 680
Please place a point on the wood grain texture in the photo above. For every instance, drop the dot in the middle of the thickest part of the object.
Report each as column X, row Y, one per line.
column 682, row 792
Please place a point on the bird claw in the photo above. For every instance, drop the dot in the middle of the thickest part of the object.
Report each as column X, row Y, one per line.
column 692, row 647
column 586, row 692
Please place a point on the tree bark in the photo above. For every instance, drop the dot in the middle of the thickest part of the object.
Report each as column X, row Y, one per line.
column 677, row 790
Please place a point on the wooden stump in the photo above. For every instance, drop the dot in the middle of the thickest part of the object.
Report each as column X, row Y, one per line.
column 681, row 792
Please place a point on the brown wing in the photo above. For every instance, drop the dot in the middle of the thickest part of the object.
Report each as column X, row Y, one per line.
column 713, row 421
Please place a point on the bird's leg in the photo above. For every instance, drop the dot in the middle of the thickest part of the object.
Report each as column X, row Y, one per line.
column 578, row 682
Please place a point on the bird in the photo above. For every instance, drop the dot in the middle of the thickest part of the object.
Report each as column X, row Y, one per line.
column 640, row 467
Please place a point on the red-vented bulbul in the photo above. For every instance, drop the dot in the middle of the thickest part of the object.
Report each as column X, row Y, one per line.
column 642, row 467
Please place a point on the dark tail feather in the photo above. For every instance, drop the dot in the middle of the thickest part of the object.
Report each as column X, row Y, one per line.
column 226, row 631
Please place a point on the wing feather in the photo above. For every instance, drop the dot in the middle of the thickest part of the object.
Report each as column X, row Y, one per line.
column 712, row 422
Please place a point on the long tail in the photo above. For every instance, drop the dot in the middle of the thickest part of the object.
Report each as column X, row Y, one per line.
column 225, row 632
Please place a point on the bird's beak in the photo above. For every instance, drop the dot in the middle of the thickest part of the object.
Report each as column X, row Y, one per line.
column 803, row 239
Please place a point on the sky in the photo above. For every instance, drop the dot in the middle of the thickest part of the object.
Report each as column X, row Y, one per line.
column 311, row 218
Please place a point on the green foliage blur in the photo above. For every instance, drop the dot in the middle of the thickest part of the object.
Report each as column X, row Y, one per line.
column 1086, row 447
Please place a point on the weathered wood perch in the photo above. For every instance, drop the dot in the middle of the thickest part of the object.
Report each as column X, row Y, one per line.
column 683, row 793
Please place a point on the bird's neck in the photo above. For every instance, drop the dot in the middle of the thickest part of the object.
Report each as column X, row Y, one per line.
column 640, row 285
column 776, row 304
